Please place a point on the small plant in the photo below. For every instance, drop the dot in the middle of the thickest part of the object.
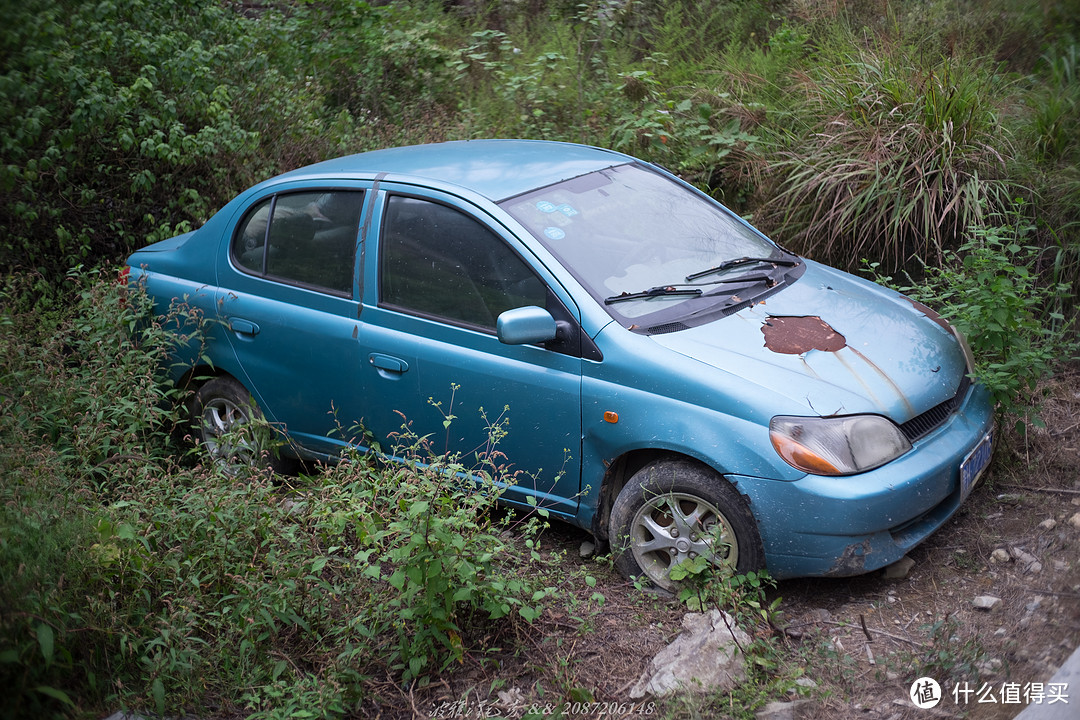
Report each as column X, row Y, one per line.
column 991, row 290
column 742, row 597
column 423, row 530
column 952, row 653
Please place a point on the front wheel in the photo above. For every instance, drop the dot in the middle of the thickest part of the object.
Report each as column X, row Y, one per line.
column 675, row 510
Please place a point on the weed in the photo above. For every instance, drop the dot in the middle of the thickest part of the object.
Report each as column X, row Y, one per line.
column 953, row 653
column 992, row 292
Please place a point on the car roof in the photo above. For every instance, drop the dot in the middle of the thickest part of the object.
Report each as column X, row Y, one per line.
column 496, row 169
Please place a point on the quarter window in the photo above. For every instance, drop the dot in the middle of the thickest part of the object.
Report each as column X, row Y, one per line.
column 308, row 238
column 440, row 262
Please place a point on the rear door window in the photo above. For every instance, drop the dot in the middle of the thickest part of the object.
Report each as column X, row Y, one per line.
column 303, row 238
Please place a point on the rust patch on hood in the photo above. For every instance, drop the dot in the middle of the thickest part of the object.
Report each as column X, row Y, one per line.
column 791, row 335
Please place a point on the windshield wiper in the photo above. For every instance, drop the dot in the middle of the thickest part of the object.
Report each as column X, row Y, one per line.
column 728, row 264
column 670, row 290
column 659, row 291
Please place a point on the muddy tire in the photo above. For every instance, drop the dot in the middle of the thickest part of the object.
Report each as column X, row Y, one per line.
column 228, row 425
column 673, row 510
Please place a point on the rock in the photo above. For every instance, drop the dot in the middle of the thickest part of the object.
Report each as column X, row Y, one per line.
column 989, row 603
column 899, row 569
column 1000, row 555
column 805, row 682
column 513, row 697
column 1075, row 520
column 587, row 549
column 1026, row 561
column 705, row 657
column 779, row 710
column 1048, row 524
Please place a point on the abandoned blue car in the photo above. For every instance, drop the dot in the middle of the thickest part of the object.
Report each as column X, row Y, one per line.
column 667, row 377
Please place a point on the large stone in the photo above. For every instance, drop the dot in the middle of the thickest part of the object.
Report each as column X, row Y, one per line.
column 899, row 569
column 780, row 710
column 705, row 657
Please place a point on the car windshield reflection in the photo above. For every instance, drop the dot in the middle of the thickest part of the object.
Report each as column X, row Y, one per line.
column 626, row 228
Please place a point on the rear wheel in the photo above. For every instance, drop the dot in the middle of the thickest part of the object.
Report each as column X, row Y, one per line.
column 675, row 510
column 230, row 427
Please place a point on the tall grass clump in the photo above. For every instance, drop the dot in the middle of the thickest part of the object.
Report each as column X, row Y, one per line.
column 899, row 162
column 136, row 575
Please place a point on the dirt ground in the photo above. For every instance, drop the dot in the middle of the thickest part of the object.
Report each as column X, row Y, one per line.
column 857, row 644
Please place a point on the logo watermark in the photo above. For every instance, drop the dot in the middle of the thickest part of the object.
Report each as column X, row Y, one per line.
column 925, row 693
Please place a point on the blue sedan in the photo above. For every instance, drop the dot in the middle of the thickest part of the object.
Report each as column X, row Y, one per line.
column 666, row 376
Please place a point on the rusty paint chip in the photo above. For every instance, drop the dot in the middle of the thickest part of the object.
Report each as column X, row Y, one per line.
column 797, row 335
column 931, row 313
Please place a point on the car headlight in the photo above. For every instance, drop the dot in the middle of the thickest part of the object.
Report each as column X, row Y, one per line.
column 837, row 445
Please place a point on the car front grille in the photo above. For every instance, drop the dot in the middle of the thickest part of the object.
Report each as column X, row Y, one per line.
column 922, row 425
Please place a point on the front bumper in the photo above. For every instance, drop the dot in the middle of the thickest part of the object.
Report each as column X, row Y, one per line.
column 851, row 525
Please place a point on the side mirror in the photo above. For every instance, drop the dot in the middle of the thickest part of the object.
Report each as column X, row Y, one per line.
column 529, row 325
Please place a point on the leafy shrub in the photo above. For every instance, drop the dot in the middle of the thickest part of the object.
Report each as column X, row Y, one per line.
column 991, row 290
column 423, row 532
column 112, row 130
column 133, row 576
column 86, row 413
column 123, row 123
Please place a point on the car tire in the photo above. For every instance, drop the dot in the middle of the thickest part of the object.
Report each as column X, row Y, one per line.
column 665, row 514
column 228, row 425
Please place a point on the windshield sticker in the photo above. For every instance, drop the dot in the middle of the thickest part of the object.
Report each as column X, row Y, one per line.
column 546, row 207
column 567, row 210
column 554, row 233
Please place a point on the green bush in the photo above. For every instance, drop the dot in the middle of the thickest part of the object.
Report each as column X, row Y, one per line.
column 992, row 291
column 122, row 123
column 133, row 575
column 115, row 126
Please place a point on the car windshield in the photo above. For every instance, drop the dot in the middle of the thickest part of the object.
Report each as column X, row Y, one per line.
column 633, row 237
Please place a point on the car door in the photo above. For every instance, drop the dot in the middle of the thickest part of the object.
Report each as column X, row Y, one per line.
column 288, row 296
column 444, row 274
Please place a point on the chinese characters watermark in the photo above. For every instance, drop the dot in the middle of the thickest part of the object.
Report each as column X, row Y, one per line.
column 926, row 693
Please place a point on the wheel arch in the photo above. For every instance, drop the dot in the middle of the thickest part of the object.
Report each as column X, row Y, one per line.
column 621, row 469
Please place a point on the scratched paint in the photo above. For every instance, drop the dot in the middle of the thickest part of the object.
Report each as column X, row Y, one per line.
column 931, row 314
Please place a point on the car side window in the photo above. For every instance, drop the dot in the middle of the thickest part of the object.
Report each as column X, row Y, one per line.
column 308, row 238
column 440, row 262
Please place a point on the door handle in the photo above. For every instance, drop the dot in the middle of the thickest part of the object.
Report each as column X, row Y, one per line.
column 387, row 365
column 243, row 327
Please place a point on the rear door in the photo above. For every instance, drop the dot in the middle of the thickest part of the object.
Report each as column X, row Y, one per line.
column 288, row 296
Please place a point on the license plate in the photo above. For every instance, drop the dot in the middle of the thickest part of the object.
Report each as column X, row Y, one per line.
column 975, row 463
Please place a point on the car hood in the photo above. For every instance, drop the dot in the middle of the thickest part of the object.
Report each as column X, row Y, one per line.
column 835, row 345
